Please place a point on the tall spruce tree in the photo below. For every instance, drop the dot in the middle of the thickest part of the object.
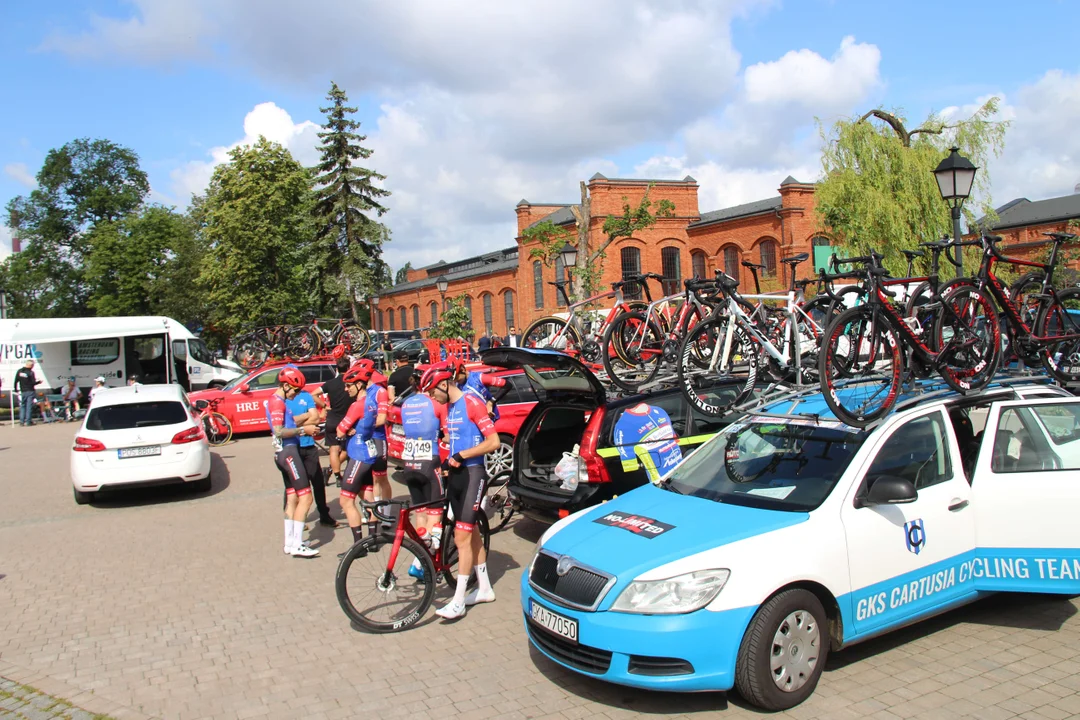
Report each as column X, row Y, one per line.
column 346, row 195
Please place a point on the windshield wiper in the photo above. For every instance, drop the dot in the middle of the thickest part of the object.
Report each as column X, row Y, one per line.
column 665, row 484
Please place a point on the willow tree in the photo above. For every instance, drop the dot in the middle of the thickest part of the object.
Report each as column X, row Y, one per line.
column 879, row 190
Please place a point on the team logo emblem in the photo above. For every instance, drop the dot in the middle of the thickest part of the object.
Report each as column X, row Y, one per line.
column 915, row 535
column 563, row 566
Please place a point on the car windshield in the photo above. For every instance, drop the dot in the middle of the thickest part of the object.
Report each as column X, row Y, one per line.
column 200, row 352
column 136, row 415
column 234, row 382
column 777, row 464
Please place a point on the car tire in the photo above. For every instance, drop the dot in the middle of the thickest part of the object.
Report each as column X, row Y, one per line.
column 501, row 460
column 83, row 498
column 791, row 626
column 202, row 485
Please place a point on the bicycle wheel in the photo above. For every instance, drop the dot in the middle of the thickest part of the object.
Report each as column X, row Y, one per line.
column 378, row 596
column 217, row 427
column 498, row 504
column 301, row 342
column 635, row 350
column 250, row 352
column 449, row 548
column 738, row 368
column 860, row 367
column 969, row 338
column 1059, row 317
column 354, row 337
column 553, row 333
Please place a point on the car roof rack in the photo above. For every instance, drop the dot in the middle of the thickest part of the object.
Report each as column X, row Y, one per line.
column 324, row 357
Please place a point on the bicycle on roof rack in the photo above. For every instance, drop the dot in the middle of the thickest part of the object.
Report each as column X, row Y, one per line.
column 310, row 339
column 267, row 341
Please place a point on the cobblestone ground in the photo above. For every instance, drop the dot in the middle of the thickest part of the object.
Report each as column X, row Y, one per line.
column 20, row 702
column 162, row 603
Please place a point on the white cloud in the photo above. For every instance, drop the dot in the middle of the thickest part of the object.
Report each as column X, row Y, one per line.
column 20, row 174
column 722, row 186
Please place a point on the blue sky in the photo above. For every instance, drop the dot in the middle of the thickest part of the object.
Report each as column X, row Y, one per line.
column 472, row 106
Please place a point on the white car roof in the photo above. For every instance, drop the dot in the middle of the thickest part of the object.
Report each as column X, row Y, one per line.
column 137, row 393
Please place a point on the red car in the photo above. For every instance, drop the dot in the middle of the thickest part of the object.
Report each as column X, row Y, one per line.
column 514, row 407
column 242, row 399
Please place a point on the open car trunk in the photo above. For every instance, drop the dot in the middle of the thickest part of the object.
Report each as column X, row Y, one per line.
column 551, row 430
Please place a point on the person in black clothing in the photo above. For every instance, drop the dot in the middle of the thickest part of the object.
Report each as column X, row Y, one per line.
column 25, row 380
column 339, row 400
column 399, row 379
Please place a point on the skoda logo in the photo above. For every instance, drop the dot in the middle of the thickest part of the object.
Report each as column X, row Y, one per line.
column 563, row 566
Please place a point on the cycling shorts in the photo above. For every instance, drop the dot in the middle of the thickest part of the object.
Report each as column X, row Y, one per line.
column 422, row 478
column 332, row 421
column 379, row 466
column 356, row 476
column 292, row 469
column 465, row 486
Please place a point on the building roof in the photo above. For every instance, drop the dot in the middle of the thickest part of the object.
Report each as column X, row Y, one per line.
column 757, row 207
column 789, row 180
column 1021, row 212
column 639, row 181
column 562, row 216
column 486, row 264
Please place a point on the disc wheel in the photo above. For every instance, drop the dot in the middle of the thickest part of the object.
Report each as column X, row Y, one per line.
column 1056, row 319
column 381, row 597
column 860, row 367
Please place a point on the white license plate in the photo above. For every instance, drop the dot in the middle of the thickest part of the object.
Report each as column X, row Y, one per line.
column 144, row 451
column 558, row 624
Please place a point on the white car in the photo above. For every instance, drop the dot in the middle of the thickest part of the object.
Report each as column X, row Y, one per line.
column 139, row 435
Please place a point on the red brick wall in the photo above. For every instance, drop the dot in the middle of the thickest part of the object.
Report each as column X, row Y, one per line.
column 474, row 288
column 1029, row 243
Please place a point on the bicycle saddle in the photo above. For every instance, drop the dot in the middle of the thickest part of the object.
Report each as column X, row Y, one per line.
column 796, row 259
column 935, row 245
column 912, row 254
column 1060, row 236
column 748, row 264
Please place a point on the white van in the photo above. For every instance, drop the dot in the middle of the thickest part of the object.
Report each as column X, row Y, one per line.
column 157, row 349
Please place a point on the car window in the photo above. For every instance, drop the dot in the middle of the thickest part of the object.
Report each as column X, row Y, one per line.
column 520, row 390
column 675, row 407
column 917, row 452
column 264, row 381
column 317, row 373
column 723, row 396
column 136, row 415
column 1020, row 441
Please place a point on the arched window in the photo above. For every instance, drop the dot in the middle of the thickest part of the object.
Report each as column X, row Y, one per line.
column 508, row 308
column 416, row 316
column 822, row 250
column 697, row 263
column 631, row 265
column 560, row 275
column 538, row 283
column 390, row 314
column 731, row 261
column 434, row 313
column 468, row 309
column 487, row 314
column 768, row 257
column 671, row 269
column 403, row 323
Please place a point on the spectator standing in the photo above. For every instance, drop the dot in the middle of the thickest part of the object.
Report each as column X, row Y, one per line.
column 387, row 348
column 99, row 385
column 399, row 379
column 25, row 380
column 513, row 339
column 484, row 343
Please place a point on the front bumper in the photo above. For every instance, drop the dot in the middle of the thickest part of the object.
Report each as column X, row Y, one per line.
column 645, row 649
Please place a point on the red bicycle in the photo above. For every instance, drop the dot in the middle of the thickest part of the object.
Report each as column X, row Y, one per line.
column 374, row 584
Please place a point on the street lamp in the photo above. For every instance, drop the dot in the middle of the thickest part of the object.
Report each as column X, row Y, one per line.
column 569, row 256
column 955, row 175
column 442, row 284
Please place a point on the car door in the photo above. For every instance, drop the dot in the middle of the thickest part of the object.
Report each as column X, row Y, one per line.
column 248, row 410
column 906, row 559
column 1026, row 493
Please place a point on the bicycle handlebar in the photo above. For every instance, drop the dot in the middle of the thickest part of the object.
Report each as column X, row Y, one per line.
column 376, row 505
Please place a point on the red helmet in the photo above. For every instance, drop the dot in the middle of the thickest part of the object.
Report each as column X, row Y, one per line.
column 433, row 376
column 360, row 372
column 291, row 376
column 338, row 352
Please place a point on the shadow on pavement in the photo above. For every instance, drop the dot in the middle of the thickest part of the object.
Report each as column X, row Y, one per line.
column 137, row 496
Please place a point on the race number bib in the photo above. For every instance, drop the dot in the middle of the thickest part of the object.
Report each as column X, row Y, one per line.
column 372, row 448
column 417, row 449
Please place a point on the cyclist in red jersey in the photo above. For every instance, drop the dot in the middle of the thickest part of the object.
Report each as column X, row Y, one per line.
column 285, row 436
column 480, row 384
column 365, row 452
column 471, row 435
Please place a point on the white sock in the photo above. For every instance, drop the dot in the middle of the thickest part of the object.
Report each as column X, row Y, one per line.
column 483, row 581
column 298, row 532
column 288, row 532
column 462, row 586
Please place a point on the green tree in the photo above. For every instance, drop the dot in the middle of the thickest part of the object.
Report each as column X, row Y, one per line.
column 403, row 274
column 347, row 238
column 550, row 239
column 256, row 223
column 80, row 185
column 879, row 189
column 454, row 322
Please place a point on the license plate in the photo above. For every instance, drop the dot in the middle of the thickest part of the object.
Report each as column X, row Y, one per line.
column 144, row 451
column 556, row 623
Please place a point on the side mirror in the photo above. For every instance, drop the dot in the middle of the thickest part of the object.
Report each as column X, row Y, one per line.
column 888, row 490
column 201, row 404
column 244, row 387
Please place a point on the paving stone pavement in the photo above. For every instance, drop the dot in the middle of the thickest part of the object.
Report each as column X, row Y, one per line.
column 161, row 603
column 20, row 702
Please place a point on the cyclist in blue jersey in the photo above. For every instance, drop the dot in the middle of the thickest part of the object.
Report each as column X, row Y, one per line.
column 285, row 436
column 643, row 433
column 362, row 448
column 471, row 435
column 480, row 384
column 305, row 410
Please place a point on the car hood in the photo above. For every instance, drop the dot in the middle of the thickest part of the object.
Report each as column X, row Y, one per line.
column 579, row 381
column 649, row 527
column 209, row 394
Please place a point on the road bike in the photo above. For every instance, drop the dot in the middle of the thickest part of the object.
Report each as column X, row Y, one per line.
column 216, row 426
column 499, row 504
column 373, row 583
column 267, row 341
column 310, row 339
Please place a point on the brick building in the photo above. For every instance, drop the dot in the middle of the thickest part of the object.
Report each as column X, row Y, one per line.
column 506, row 287
column 1021, row 223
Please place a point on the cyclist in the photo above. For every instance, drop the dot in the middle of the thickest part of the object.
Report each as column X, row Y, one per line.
column 305, row 409
column 471, row 435
column 285, row 436
column 478, row 383
column 421, row 420
column 339, row 400
column 362, row 448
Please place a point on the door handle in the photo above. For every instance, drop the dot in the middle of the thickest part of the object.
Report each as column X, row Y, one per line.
column 958, row 504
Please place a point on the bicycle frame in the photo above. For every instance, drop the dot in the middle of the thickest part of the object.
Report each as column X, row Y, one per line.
column 572, row 319
column 405, row 527
column 790, row 357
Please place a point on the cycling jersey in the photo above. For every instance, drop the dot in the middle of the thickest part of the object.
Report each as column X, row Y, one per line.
column 421, row 419
column 279, row 415
column 644, row 432
column 368, row 445
column 478, row 383
column 467, row 424
column 298, row 406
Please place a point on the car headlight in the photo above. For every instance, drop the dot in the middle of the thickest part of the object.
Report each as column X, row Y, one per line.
column 679, row 594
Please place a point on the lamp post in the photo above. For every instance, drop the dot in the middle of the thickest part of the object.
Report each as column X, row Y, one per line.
column 569, row 261
column 955, row 175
